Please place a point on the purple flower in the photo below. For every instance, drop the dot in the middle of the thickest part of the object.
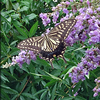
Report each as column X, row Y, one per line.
column 87, row 16
column 67, row 3
column 53, row 8
column 87, row 64
column 94, row 36
column 59, row 5
column 32, row 55
column 77, row 75
column 24, row 56
column 75, row 94
column 95, row 81
column 19, row 60
column 69, row 41
column 63, row 19
column 98, row 8
column 82, row 10
column 98, row 90
column 88, row 2
column 45, row 19
column 89, row 10
column 81, row 0
column 95, row 94
column 71, row 0
column 55, row 16
column 65, row 11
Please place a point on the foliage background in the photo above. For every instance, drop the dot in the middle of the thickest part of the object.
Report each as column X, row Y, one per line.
column 37, row 81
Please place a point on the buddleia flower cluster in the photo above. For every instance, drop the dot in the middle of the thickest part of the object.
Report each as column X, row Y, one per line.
column 96, row 89
column 90, row 62
column 23, row 56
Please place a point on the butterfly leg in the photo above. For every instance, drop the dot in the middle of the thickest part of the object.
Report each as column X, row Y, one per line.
column 62, row 56
column 51, row 63
column 64, row 59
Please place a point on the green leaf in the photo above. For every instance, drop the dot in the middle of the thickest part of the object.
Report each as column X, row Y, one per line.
column 52, row 76
column 21, row 37
column 67, row 98
column 7, row 40
column 44, row 76
column 24, row 8
column 85, row 85
column 8, row 89
column 41, row 62
column 77, row 87
column 5, row 13
column 24, row 67
column 79, row 98
column 51, row 83
column 15, row 6
column 39, row 92
column 8, row 5
column 69, row 70
column 36, row 74
column 14, row 97
column 56, row 65
column 21, row 31
column 47, row 1
column 54, row 91
column 23, row 82
column 4, row 78
column 6, row 27
column 11, row 68
column 14, row 42
column 25, row 3
column 8, row 74
column 43, row 94
column 22, row 98
column 29, row 17
column 33, row 29
column 14, row 51
column 4, row 96
column 17, row 23
column 15, row 16
column 3, row 48
column 28, row 95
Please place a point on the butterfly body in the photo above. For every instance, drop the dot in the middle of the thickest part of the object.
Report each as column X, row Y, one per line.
column 50, row 45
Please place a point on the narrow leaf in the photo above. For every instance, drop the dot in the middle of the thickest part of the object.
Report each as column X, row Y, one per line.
column 4, row 78
column 28, row 95
column 53, row 92
column 21, row 31
column 54, row 77
column 43, row 94
column 47, row 1
column 33, row 29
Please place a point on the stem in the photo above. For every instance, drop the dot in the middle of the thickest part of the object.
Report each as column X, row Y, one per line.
column 23, row 88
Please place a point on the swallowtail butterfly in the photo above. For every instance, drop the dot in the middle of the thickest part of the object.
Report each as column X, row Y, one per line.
column 50, row 45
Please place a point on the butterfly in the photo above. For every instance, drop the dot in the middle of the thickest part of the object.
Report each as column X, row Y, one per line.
column 50, row 45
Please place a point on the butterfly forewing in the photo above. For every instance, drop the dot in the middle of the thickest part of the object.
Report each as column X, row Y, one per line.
column 62, row 30
column 33, row 44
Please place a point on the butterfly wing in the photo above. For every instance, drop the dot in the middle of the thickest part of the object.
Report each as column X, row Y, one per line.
column 62, row 30
column 33, row 44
